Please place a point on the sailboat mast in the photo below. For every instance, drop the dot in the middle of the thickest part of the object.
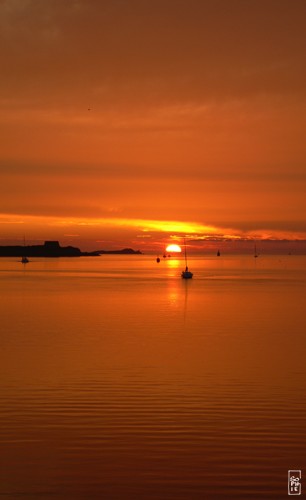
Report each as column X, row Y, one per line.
column 186, row 274
column 255, row 251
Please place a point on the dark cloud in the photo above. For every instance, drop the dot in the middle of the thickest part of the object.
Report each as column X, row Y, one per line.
column 152, row 50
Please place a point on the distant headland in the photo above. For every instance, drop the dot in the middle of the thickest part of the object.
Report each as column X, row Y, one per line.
column 53, row 249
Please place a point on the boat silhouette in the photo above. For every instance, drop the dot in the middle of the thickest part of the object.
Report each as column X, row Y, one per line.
column 24, row 258
column 186, row 274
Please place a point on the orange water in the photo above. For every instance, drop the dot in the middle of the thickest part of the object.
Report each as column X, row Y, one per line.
column 120, row 380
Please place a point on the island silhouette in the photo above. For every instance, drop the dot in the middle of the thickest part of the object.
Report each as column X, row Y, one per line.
column 53, row 249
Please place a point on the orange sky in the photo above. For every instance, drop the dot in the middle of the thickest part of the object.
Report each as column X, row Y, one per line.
column 135, row 122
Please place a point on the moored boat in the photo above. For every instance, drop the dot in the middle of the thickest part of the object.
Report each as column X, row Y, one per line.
column 186, row 274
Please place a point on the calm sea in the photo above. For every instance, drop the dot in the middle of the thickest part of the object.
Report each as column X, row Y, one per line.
column 120, row 380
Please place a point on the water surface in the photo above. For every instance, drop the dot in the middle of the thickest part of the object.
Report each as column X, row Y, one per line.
column 120, row 380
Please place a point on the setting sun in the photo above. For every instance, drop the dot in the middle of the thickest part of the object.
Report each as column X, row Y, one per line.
column 173, row 248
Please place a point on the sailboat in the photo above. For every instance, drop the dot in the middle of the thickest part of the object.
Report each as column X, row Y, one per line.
column 255, row 252
column 186, row 274
column 24, row 258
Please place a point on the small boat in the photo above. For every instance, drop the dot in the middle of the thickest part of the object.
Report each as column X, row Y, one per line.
column 24, row 259
column 157, row 259
column 186, row 274
column 218, row 253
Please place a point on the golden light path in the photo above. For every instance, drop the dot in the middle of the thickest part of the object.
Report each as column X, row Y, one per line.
column 36, row 226
column 148, row 225
column 139, row 224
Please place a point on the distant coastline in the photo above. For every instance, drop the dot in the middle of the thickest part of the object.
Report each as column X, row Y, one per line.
column 53, row 249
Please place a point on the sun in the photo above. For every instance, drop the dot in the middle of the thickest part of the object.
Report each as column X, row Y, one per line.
column 173, row 248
